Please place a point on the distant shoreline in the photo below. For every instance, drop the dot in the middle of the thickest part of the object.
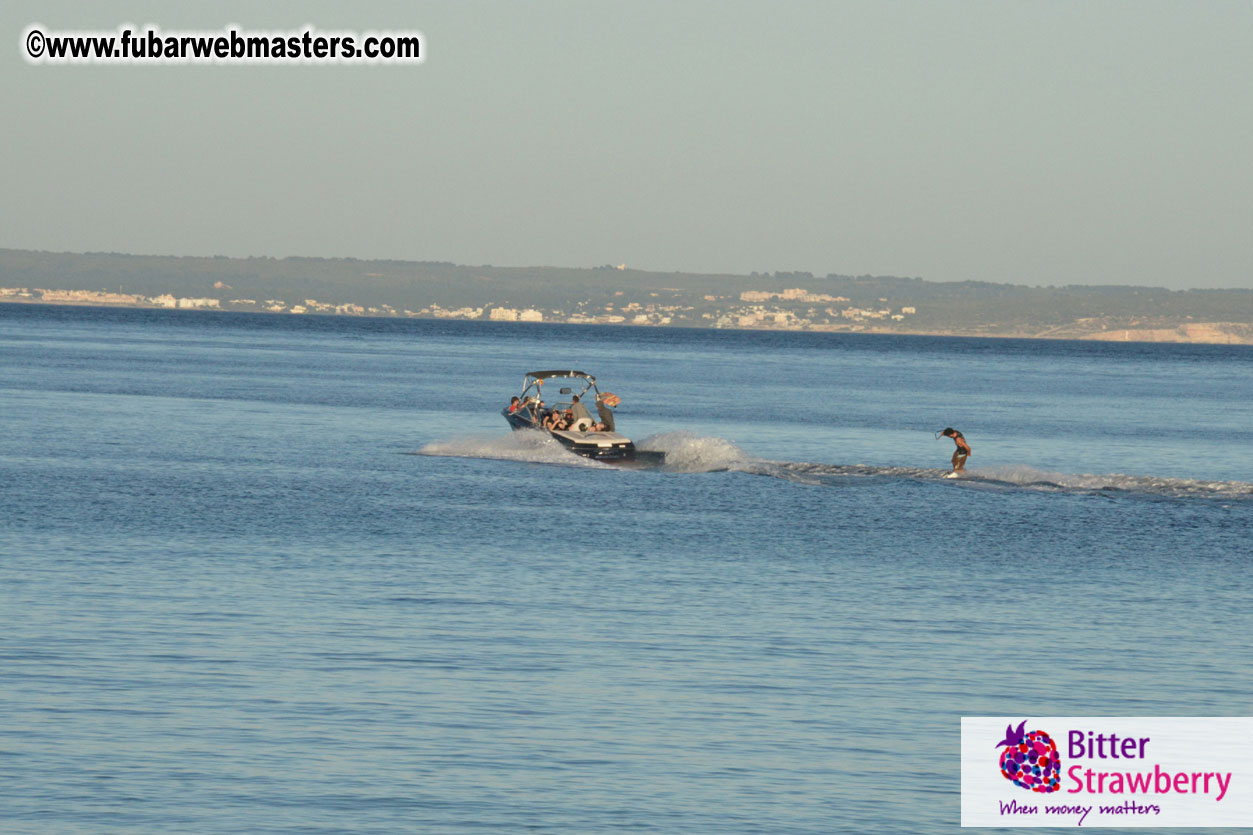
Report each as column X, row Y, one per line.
column 618, row 295
column 1199, row 333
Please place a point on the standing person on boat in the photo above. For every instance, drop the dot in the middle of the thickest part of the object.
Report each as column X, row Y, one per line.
column 959, row 454
column 603, row 402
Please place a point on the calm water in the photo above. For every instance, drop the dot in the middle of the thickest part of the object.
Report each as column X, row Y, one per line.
column 235, row 600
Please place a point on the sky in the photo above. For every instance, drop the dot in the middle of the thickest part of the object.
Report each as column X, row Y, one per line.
column 1042, row 143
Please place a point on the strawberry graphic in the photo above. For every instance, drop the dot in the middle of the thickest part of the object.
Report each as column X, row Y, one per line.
column 1030, row 760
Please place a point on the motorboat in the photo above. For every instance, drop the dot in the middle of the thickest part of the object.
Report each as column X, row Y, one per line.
column 592, row 437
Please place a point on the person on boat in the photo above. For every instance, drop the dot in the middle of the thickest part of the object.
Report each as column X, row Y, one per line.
column 963, row 449
column 605, row 413
column 514, row 404
column 532, row 409
column 553, row 420
column 578, row 412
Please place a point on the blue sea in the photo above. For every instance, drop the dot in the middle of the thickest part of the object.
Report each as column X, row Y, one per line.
column 281, row 574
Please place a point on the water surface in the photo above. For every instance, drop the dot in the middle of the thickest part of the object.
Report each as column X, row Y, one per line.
column 293, row 574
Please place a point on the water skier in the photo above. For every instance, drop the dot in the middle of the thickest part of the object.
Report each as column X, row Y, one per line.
column 959, row 454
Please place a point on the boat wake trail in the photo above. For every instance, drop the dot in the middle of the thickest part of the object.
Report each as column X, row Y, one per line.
column 685, row 452
column 1008, row 478
column 532, row 447
column 1023, row 476
column 689, row 453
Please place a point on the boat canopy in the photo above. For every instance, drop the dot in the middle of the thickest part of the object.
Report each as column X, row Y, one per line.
column 544, row 375
column 534, row 382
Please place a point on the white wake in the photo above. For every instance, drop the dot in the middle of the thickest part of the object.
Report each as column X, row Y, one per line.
column 686, row 452
column 528, row 446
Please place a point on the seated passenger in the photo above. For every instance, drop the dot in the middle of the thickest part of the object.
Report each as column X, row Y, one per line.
column 523, row 409
column 514, row 404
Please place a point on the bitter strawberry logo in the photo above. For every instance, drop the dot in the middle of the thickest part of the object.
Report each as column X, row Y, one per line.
column 1030, row 760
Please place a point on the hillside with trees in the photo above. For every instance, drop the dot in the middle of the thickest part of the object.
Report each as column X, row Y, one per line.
column 785, row 300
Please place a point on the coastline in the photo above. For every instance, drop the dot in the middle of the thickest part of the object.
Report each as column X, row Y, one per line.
column 608, row 295
column 1191, row 333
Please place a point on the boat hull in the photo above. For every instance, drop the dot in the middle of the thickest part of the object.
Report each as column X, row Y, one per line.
column 599, row 446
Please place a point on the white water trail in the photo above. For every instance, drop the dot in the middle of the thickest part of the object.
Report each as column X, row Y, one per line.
column 1030, row 477
column 690, row 453
column 528, row 446
column 686, row 452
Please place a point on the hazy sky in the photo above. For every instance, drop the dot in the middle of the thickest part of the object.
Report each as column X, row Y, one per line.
column 1026, row 142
